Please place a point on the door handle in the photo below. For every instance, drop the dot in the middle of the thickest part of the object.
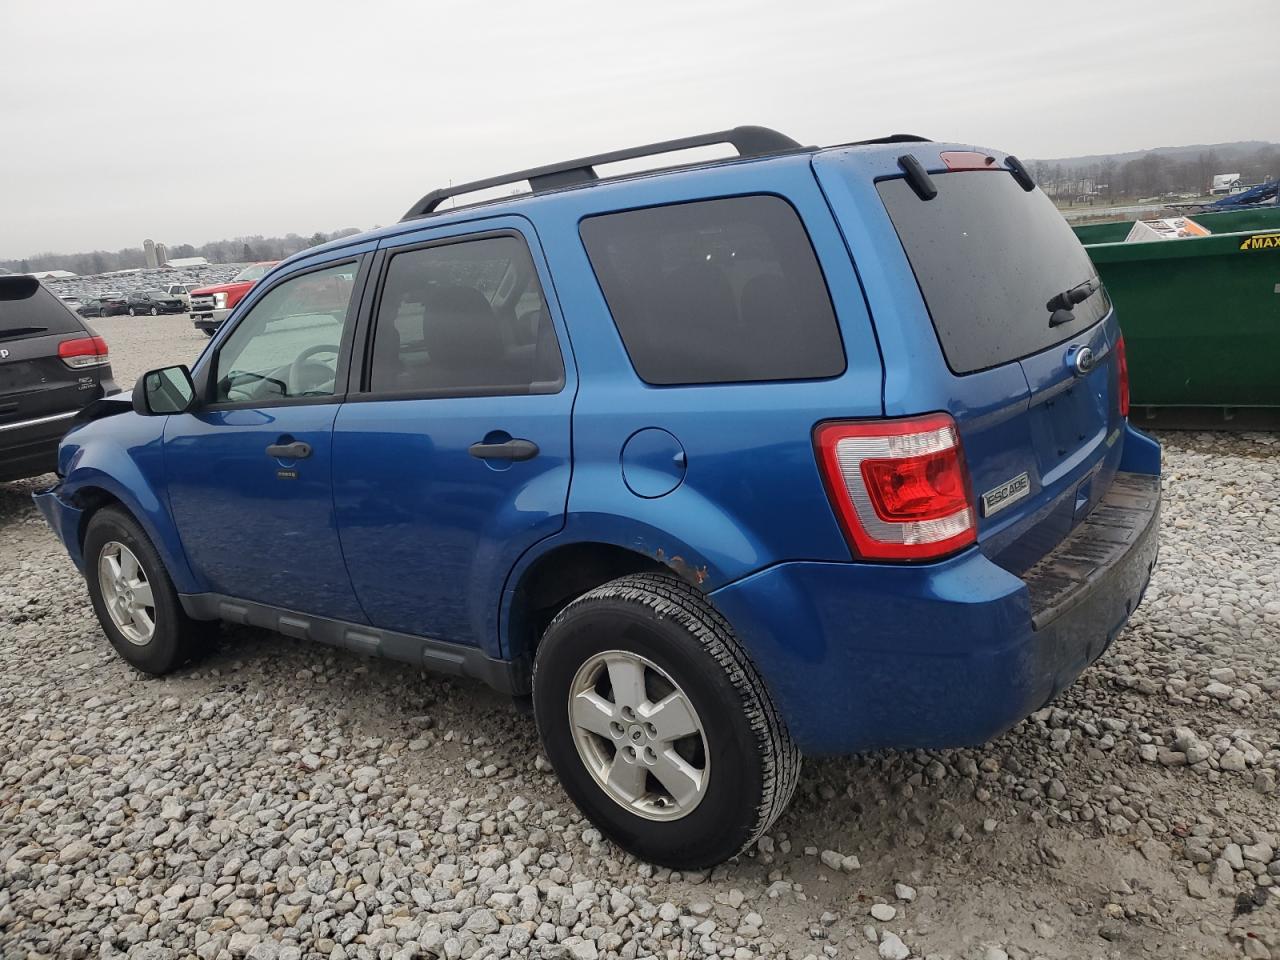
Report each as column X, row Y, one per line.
column 289, row 451
column 508, row 450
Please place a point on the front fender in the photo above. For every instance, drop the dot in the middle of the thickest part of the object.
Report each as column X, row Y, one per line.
column 123, row 457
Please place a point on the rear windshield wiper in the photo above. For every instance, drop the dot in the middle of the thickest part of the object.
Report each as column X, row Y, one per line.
column 1060, row 304
column 21, row 332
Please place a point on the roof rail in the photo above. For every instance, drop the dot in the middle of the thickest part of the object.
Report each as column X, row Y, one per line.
column 749, row 142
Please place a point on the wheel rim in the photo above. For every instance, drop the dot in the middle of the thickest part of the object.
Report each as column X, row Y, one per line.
column 127, row 593
column 639, row 735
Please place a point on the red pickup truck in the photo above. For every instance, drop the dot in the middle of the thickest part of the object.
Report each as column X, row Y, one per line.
column 211, row 305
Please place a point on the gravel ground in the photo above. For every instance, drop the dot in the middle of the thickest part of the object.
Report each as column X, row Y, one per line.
column 284, row 800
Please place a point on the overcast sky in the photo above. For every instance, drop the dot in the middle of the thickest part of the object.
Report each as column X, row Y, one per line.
column 193, row 121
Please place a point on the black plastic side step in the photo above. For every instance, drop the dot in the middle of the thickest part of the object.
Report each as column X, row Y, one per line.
column 456, row 659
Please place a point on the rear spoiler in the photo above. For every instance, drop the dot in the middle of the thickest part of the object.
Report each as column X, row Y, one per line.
column 18, row 286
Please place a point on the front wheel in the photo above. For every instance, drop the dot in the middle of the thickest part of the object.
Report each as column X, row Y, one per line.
column 134, row 598
column 658, row 724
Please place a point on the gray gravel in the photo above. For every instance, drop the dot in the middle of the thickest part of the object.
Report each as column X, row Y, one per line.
column 139, row 344
column 284, row 800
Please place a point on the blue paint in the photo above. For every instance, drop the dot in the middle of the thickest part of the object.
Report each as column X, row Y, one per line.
column 392, row 522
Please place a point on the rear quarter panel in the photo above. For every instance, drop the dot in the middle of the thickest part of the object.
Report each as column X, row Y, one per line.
column 751, row 494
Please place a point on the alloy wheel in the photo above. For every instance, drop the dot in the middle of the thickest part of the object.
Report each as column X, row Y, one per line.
column 639, row 735
column 127, row 593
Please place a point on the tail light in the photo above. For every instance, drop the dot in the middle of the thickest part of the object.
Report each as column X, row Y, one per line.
column 899, row 487
column 84, row 352
column 1122, row 368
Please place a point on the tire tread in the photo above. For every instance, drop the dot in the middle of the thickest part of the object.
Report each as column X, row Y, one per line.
column 679, row 600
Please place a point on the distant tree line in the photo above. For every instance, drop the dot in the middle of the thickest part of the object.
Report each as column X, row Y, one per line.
column 237, row 250
column 1156, row 173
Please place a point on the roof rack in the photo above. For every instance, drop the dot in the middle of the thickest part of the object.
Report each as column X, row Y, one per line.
column 748, row 141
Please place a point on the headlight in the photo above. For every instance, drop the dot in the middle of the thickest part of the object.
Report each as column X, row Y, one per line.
column 220, row 301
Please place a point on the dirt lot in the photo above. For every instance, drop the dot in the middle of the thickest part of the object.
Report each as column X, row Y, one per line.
column 284, row 800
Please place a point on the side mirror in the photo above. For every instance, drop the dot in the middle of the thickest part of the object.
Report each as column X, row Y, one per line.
column 164, row 391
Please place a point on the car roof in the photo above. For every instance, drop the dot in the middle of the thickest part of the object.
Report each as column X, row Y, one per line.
column 761, row 145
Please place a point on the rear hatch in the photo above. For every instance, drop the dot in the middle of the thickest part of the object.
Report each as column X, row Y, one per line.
column 1039, row 428
column 36, row 380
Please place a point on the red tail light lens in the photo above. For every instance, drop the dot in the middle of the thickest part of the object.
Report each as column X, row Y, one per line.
column 1122, row 368
column 900, row 487
column 84, row 352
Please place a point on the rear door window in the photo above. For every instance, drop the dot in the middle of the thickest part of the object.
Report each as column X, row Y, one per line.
column 716, row 291
column 466, row 318
column 988, row 257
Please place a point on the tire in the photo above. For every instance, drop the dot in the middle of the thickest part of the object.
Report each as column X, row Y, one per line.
column 208, row 333
column 742, row 754
column 154, row 311
column 175, row 637
column 131, row 313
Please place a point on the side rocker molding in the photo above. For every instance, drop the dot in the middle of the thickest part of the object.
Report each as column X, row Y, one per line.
column 511, row 677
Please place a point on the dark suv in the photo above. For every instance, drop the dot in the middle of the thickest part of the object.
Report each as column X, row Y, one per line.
column 50, row 367
column 806, row 451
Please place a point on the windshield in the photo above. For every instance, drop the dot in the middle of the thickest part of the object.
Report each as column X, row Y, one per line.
column 255, row 272
column 988, row 257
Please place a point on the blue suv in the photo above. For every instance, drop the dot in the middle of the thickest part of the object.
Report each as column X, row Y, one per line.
column 804, row 451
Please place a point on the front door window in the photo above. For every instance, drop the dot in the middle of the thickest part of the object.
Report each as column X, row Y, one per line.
column 289, row 344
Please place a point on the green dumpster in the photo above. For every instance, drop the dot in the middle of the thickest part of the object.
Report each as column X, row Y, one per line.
column 1228, row 221
column 1201, row 322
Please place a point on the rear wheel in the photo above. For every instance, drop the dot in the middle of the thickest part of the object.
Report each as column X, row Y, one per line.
column 131, row 313
column 134, row 598
column 154, row 311
column 658, row 724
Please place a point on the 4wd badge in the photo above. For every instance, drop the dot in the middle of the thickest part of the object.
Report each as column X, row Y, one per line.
column 993, row 501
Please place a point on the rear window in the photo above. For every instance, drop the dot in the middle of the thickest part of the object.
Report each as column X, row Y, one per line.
column 988, row 256
column 28, row 312
column 716, row 291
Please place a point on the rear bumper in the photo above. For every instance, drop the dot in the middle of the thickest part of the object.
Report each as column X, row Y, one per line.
column 30, row 447
column 860, row 656
column 64, row 519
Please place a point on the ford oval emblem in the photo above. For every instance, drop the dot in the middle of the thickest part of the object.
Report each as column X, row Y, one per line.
column 1082, row 362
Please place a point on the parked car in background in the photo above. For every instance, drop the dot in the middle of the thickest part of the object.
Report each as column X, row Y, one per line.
column 51, row 366
column 182, row 291
column 154, row 302
column 839, row 460
column 211, row 305
column 72, row 302
column 103, row 307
